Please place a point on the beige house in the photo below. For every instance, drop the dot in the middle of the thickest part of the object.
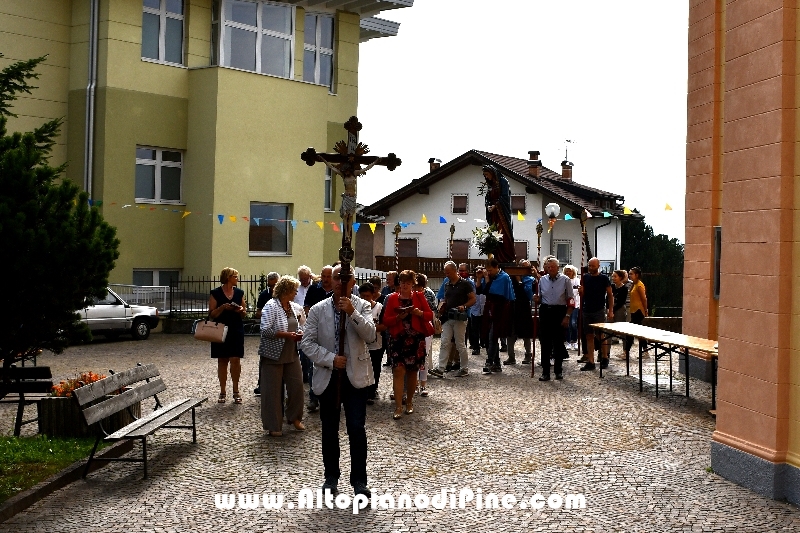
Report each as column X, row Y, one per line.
column 182, row 113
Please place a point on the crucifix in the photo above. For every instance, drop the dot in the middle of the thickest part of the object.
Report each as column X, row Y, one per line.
column 346, row 162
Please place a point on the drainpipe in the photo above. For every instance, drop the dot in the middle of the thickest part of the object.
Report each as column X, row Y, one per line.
column 596, row 247
column 88, row 144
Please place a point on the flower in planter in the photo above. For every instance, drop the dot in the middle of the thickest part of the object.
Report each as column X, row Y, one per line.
column 65, row 388
column 487, row 239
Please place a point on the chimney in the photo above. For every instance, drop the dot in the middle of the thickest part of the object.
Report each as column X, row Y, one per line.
column 566, row 170
column 534, row 165
column 434, row 163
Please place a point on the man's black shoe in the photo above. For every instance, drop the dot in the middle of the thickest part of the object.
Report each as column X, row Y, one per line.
column 456, row 366
column 603, row 363
column 487, row 370
column 313, row 405
column 370, row 401
column 435, row 372
column 330, row 485
column 257, row 391
column 448, row 368
column 497, row 368
column 545, row 377
column 510, row 361
column 361, row 488
column 588, row 366
column 559, row 376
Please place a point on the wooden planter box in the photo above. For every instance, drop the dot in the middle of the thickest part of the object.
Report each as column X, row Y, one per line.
column 61, row 417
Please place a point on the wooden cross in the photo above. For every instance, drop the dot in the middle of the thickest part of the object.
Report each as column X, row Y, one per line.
column 346, row 162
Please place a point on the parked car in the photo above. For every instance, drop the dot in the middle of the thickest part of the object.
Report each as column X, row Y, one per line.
column 112, row 316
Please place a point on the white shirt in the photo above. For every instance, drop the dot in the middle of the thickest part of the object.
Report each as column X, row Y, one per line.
column 378, row 342
column 555, row 291
column 300, row 297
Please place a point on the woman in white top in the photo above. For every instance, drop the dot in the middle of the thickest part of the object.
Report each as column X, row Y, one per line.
column 572, row 331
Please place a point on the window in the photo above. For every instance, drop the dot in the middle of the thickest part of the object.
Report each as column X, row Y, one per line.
column 521, row 249
column 256, row 36
column 460, row 249
column 328, row 190
column 318, row 49
column 158, row 175
column 407, row 248
column 150, row 278
column 459, row 204
column 162, row 30
column 269, row 228
column 518, row 204
column 563, row 251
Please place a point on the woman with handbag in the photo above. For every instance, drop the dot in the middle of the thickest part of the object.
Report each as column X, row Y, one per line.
column 227, row 306
column 279, row 360
column 408, row 317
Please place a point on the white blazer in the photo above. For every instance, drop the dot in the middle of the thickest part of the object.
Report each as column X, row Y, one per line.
column 319, row 343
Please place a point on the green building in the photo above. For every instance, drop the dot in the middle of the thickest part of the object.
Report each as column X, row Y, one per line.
column 185, row 120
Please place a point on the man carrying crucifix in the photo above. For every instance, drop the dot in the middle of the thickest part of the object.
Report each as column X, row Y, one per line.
column 339, row 327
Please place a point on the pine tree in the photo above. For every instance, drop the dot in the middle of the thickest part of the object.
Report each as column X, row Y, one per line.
column 58, row 250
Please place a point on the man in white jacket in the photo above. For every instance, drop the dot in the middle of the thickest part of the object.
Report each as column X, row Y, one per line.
column 341, row 380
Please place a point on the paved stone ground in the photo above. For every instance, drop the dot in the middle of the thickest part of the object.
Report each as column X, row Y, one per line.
column 640, row 461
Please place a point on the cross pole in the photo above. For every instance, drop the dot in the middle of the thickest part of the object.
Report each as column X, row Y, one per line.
column 346, row 161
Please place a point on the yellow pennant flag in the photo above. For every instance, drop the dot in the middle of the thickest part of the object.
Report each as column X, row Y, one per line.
column 233, row 218
column 372, row 227
column 320, row 224
column 667, row 207
column 186, row 214
column 519, row 216
column 626, row 211
column 424, row 219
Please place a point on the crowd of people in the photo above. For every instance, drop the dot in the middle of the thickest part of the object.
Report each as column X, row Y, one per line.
column 301, row 320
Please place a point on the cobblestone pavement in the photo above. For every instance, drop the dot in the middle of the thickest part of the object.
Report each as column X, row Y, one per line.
column 641, row 462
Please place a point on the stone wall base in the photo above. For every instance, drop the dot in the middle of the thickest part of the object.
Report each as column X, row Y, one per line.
column 779, row 481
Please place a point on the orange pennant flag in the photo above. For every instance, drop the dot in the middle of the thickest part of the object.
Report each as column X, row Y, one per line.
column 233, row 218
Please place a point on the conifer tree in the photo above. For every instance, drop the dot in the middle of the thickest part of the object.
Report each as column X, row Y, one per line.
column 57, row 250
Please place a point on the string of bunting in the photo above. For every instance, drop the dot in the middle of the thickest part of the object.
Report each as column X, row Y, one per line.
column 335, row 226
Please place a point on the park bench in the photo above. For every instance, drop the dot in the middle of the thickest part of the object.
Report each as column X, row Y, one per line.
column 36, row 380
column 149, row 385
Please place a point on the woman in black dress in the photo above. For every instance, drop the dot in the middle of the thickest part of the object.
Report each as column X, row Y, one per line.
column 227, row 306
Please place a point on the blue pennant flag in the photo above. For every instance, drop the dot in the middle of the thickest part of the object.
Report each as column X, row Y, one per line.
column 356, row 225
column 567, row 217
column 221, row 218
column 294, row 224
column 442, row 220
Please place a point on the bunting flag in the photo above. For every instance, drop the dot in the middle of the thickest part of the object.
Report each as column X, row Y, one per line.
column 186, row 214
column 442, row 220
column 246, row 219
column 320, row 224
column 258, row 220
column 519, row 216
column 294, row 224
column 335, row 226
column 126, row 205
column 461, row 220
column 232, row 218
column 667, row 207
column 372, row 226
column 152, row 209
column 626, row 211
column 588, row 214
column 356, row 225
column 566, row 217
column 479, row 220
column 424, row 219
column 404, row 224
column 221, row 218
column 606, row 214
column 98, row 203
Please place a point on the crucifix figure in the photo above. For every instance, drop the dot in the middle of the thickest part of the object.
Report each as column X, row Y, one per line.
column 346, row 162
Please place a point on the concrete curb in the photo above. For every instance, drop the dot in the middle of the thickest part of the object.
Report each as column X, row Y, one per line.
column 73, row 472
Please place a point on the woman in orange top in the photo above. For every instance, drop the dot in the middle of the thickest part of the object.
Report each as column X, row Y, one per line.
column 638, row 304
column 407, row 315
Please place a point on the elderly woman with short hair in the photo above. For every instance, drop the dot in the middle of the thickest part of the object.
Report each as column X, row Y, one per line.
column 279, row 361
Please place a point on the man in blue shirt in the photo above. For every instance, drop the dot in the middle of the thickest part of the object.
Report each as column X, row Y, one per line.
column 557, row 302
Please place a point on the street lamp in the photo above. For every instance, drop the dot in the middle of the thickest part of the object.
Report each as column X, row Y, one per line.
column 552, row 210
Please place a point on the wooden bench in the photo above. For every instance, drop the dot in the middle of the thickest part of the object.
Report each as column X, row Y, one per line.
column 150, row 384
column 37, row 380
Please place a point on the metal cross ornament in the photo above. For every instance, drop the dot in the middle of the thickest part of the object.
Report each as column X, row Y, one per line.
column 346, row 162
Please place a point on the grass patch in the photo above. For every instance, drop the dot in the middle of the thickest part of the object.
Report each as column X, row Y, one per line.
column 26, row 461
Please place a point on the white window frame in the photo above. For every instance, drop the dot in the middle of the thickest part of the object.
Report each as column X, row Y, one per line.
column 162, row 33
column 469, row 247
column 328, row 192
column 157, row 275
column 318, row 49
column 554, row 249
column 452, row 203
column 527, row 249
column 159, row 163
column 289, row 235
column 259, row 31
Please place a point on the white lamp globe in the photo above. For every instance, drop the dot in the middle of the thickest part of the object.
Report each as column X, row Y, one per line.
column 552, row 210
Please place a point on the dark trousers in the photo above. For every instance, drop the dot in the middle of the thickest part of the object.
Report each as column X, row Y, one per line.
column 474, row 330
column 492, row 348
column 355, row 412
column 308, row 373
column 551, row 336
column 636, row 318
column 377, row 359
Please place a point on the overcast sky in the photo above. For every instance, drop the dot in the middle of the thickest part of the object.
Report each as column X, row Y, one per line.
column 509, row 76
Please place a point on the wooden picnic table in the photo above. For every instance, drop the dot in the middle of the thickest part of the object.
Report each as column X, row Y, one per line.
column 668, row 343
